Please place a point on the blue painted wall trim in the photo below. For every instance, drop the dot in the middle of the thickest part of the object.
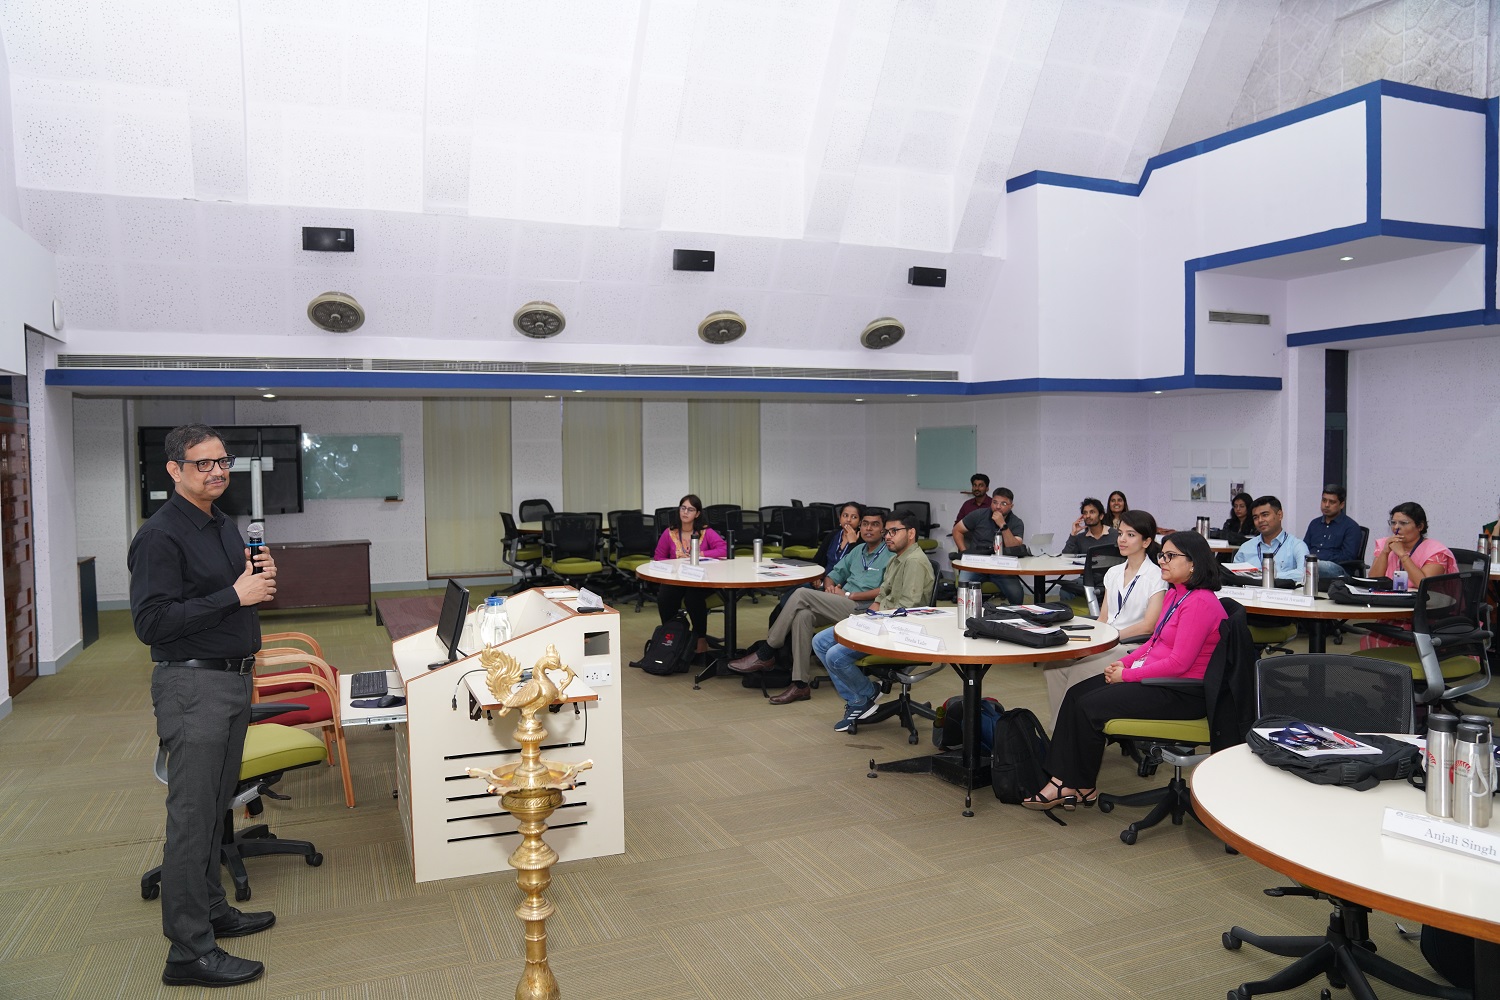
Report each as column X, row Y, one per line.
column 186, row 379
column 1390, row 328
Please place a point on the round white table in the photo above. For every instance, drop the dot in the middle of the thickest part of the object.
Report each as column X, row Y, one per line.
column 1329, row 838
column 1322, row 610
column 971, row 659
column 729, row 577
column 1038, row 567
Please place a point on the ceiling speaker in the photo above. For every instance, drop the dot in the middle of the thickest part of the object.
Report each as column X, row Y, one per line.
column 539, row 320
column 882, row 332
column 692, row 260
column 932, row 277
column 722, row 327
column 336, row 312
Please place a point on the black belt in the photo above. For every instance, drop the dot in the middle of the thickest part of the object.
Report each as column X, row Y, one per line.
column 236, row 665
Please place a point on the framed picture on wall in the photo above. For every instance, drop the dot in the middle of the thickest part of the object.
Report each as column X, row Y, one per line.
column 1198, row 488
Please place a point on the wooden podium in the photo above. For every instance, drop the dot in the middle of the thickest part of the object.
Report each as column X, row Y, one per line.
column 453, row 826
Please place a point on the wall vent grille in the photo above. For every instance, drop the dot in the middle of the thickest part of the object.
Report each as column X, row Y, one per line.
column 128, row 361
column 1254, row 319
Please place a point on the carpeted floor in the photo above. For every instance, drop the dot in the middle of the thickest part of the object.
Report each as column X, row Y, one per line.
column 761, row 862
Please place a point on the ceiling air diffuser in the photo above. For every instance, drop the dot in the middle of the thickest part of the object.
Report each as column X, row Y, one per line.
column 882, row 332
column 722, row 327
column 336, row 312
column 539, row 320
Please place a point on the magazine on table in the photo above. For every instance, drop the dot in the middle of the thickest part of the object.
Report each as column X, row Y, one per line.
column 1309, row 740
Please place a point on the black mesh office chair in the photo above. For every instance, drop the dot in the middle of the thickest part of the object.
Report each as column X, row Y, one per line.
column 1447, row 646
column 523, row 553
column 828, row 516
column 796, row 532
column 570, row 546
column 718, row 517
column 923, row 510
column 1358, row 566
column 533, row 510
column 1354, row 693
column 632, row 542
column 661, row 520
column 1096, row 562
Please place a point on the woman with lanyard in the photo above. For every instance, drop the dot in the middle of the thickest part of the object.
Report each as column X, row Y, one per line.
column 1180, row 646
column 841, row 539
column 1132, row 604
column 677, row 543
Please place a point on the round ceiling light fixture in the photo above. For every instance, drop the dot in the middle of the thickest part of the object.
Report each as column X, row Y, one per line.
column 882, row 332
column 721, row 327
column 539, row 320
column 336, row 312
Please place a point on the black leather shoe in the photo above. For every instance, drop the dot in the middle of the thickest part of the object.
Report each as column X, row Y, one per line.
column 237, row 924
column 217, row 968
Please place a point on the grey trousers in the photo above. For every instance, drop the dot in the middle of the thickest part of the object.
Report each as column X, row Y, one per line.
column 807, row 612
column 201, row 717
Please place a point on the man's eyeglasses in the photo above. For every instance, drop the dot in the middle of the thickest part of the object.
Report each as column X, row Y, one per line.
column 892, row 531
column 1165, row 557
column 207, row 464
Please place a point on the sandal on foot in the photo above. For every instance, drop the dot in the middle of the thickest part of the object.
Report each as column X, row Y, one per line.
column 1057, row 801
column 1089, row 800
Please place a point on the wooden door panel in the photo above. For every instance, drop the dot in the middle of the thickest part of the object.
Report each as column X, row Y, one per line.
column 17, row 556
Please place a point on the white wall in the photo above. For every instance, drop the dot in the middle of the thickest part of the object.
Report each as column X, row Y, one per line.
column 59, row 630
column 664, row 453
column 814, row 452
column 536, row 451
column 1424, row 427
column 1240, row 348
column 1429, row 285
column 1432, row 163
column 104, row 474
column 10, row 206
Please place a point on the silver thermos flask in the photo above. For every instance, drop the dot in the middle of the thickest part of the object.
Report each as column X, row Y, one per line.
column 1441, row 729
column 756, row 549
column 1268, row 571
column 970, row 601
column 1203, row 523
column 1473, row 774
column 696, row 550
column 1310, row 576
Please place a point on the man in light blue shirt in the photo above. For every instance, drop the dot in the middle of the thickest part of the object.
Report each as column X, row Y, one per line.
column 1288, row 550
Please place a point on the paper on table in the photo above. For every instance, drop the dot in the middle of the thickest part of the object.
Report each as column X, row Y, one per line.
column 1308, row 740
column 1239, row 567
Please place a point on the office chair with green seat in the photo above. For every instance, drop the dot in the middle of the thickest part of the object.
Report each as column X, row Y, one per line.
column 1228, row 694
column 1096, row 562
column 796, row 532
column 1361, row 695
column 1447, row 644
column 533, row 510
column 523, row 553
column 632, row 543
column 890, row 672
column 270, row 751
column 570, row 546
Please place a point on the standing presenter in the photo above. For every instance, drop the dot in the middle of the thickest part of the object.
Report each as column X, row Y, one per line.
column 193, row 591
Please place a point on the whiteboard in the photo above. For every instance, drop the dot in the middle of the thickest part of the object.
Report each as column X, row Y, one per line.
column 351, row 466
column 946, row 458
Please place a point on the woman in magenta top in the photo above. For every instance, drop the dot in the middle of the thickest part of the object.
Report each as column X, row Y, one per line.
column 1181, row 646
column 1408, row 548
column 677, row 543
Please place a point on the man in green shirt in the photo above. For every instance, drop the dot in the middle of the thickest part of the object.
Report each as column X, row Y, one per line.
column 847, row 589
column 907, row 584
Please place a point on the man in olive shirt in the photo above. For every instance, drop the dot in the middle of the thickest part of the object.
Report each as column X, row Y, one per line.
column 907, row 584
column 193, row 592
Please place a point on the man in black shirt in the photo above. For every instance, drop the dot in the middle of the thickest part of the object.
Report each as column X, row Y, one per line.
column 193, row 593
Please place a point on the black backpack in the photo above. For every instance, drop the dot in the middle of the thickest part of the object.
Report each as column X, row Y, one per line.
column 669, row 650
column 1397, row 758
column 1020, row 748
column 952, row 736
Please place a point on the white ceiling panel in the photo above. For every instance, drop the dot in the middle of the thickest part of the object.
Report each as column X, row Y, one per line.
column 485, row 153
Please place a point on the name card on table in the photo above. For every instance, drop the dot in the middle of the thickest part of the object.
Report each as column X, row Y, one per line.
column 920, row 639
column 994, row 562
column 687, row 571
column 902, row 627
column 869, row 626
column 1261, row 595
column 1423, row 829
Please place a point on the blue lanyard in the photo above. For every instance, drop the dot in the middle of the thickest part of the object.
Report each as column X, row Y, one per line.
column 1260, row 547
column 1120, row 599
column 867, row 557
column 1167, row 617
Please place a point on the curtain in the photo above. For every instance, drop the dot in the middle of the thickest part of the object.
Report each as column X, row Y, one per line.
column 466, row 479
column 724, row 451
column 601, row 454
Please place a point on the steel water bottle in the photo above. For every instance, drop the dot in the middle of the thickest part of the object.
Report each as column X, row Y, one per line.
column 1441, row 730
column 1473, row 775
column 696, row 550
column 1310, row 576
column 1268, row 571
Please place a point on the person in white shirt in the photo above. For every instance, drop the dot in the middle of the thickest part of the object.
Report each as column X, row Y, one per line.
column 1132, row 603
column 1287, row 550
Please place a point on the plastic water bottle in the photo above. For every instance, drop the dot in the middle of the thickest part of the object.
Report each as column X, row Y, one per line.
column 494, row 623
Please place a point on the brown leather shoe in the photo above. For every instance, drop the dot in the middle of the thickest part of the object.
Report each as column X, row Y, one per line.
column 750, row 663
column 793, row 693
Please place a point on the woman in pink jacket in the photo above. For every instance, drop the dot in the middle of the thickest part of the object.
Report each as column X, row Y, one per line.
column 677, row 543
column 1181, row 646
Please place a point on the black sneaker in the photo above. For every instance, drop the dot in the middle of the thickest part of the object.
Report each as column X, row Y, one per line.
column 217, row 968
